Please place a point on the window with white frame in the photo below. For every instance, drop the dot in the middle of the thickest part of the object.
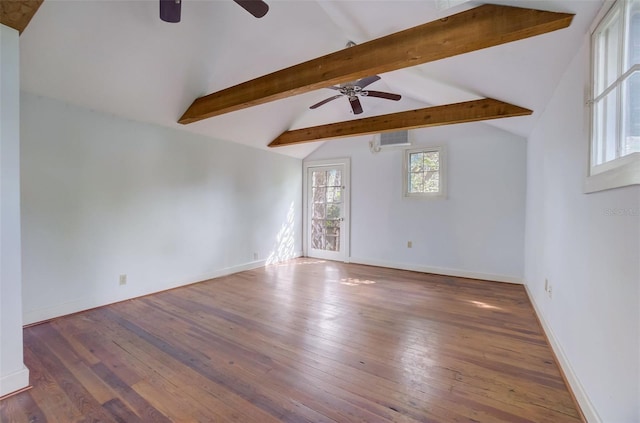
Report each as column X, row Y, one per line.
column 424, row 172
column 615, row 129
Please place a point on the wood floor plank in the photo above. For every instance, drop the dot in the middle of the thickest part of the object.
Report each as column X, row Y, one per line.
column 304, row 341
column 49, row 396
column 129, row 397
column 120, row 412
column 77, row 393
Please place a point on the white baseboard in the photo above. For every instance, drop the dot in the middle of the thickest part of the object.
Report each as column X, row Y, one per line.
column 89, row 302
column 14, row 381
column 438, row 270
column 580, row 394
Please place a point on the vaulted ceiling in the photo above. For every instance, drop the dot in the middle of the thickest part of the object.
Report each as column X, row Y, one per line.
column 118, row 57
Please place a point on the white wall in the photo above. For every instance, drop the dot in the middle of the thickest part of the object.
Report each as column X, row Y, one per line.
column 477, row 231
column 13, row 374
column 587, row 245
column 103, row 196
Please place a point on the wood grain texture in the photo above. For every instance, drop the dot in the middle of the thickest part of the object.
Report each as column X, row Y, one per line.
column 468, row 111
column 484, row 26
column 304, row 341
column 18, row 13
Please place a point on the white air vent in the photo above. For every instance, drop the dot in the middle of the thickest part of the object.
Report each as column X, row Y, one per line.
column 389, row 140
column 394, row 139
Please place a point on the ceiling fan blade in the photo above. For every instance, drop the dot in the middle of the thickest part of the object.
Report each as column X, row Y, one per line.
column 325, row 101
column 380, row 94
column 355, row 105
column 170, row 10
column 367, row 81
column 257, row 8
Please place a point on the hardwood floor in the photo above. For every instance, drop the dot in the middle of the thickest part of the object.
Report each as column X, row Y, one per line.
column 305, row 341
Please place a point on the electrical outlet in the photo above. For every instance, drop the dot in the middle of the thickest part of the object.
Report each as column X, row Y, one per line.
column 123, row 279
column 549, row 291
column 409, row 244
column 255, row 256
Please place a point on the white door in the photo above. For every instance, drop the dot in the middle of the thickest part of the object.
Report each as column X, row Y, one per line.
column 327, row 210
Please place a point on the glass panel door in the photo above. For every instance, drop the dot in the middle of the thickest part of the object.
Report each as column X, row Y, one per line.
column 326, row 212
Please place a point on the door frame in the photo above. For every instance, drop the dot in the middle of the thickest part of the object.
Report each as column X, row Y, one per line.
column 345, row 229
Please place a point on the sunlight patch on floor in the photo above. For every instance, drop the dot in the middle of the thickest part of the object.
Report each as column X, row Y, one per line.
column 355, row 282
column 297, row 262
column 480, row 304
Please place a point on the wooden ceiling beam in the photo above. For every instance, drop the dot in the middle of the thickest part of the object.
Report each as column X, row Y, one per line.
column 484, row 26
column 18, row 13
column 469, row 111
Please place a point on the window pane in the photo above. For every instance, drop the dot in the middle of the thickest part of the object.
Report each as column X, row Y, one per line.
column 318, row 211
column 633, row 39
column 605, row 128
column 333, row 211
column 631, row 117
column 332, row 243
column 319, row 195
column 416, row 162
column 432, row 182
column 598, row 132
column 610, row 128
column 607, row 50
column 599, row 60
column 431, row 160
column 317, row 233
column 416, row 182
column 334, row 194
column 332, row 228
column 612, row 43
column 319, row 178
column 334, row 178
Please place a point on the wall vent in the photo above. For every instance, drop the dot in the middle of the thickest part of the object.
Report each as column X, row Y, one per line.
column 394, row 139
column 389, row 140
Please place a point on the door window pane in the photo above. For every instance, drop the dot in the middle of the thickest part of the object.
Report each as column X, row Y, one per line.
column 319, row 211
column 334, row 177
column 333, row 211
column 319, row 178
column 319, row 195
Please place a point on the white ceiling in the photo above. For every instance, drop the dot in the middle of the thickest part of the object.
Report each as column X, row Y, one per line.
column 118, row 57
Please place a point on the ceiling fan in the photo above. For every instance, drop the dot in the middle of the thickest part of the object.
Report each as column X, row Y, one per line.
column 353, row 90
column 170, row 9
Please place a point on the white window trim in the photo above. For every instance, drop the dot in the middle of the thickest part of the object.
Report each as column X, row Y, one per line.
column 623, row 171
column 442, row 194
column 618, row 173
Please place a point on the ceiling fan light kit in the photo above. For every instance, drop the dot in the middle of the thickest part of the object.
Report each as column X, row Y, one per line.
column 353, row 90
